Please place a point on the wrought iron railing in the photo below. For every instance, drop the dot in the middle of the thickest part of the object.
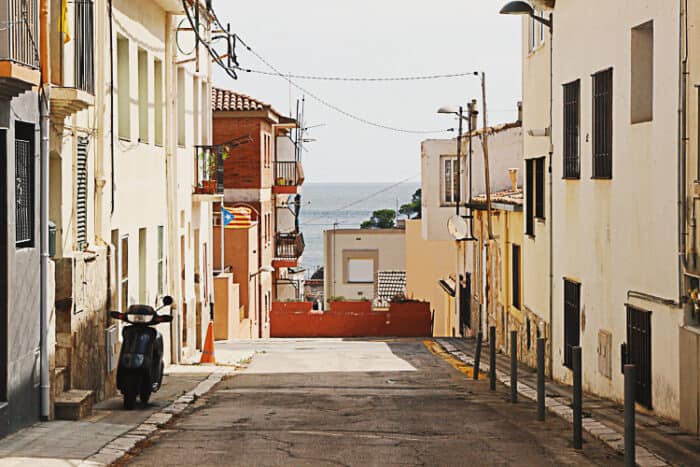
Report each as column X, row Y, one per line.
column 209, row 170
column 289, row 245
column 19, row 32
column 288, row 173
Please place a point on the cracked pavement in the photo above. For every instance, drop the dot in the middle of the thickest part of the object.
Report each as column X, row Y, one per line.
column 362, row 402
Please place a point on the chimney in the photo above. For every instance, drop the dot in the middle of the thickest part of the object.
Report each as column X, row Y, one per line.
column 513, row 174
column 520, row 111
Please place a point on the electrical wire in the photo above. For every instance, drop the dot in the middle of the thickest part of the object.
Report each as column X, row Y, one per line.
column 360, row 200
column 359, row 78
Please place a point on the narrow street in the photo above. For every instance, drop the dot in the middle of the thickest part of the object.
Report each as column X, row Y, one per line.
column 361, row 402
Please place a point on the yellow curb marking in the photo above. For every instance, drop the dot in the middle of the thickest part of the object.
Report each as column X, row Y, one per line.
column 436, row 349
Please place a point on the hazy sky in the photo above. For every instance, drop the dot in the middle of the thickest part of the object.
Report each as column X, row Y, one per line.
column 376, row 38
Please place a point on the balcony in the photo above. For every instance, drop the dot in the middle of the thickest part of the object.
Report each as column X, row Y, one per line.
column 209, row 172
column 289, row 247
column 72, row 59
column 289, row 176
column 19, row 47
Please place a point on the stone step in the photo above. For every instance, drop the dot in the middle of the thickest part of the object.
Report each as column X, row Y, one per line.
column 74, row 404
column 62, row 379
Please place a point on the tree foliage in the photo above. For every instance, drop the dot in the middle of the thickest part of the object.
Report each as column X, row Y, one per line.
column 412, row 210
column 381, row 219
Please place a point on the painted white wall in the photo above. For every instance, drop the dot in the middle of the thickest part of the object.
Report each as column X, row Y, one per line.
column 619, row 235
column 390, row 245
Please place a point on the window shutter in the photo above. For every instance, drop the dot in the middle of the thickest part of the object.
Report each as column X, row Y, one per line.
column 81, row 194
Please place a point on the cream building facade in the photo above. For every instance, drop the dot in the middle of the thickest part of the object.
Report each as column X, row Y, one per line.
column 617, row 279
column 353, row 257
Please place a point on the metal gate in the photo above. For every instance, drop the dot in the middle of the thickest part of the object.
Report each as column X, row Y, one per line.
column 639, row 351
column 572, row 319
column 465, row 312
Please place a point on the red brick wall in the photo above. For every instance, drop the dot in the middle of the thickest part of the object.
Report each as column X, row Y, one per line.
column 293, row 321
column 246, row 166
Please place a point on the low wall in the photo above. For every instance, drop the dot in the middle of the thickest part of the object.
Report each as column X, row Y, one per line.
column 352, row 319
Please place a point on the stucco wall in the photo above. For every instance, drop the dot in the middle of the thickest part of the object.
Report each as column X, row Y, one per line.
column 388, row 243
column 620, row 234
column 427, row 261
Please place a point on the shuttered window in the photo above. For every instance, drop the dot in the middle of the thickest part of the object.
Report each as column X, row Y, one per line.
column 539, row 187
column 572, row 164
column 572, row 319
column 529, row 198
column 602, row 124
column 81, row 191
column 24, row 185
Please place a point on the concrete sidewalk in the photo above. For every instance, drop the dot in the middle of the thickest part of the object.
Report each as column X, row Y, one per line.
column 659, row 441
column 110, row 432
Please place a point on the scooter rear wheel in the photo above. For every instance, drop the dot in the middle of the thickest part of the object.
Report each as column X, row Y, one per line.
column 145, row 396
column 129, row 400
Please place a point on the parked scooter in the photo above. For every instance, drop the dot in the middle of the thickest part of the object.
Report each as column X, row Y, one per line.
column 140, row 370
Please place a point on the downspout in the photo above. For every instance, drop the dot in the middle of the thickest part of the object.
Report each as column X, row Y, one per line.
column 171, row 195
column 682, row 147
column 45, row 382
column 111, row 102
column 551, row 197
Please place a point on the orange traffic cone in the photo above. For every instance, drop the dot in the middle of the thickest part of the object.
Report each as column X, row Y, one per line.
column 208, row 351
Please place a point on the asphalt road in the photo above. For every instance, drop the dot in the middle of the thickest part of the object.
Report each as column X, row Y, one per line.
column 333, row 402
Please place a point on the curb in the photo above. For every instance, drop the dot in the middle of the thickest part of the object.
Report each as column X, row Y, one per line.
column 119, row 447
column 595, row 428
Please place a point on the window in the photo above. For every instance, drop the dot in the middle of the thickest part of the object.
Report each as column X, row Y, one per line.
column 143, row 262
column 161, row 260
column 143, row 95
column 536, row 31
column 359, row 266
column 24, row 185
column 528, row 331
column 450, row 181
column 181, row 130
column 515, row 275
column 81, row 191
column 124, row 271
column 572, row 323
column 642, row 73
column 534, row 192
column 206, row 104
column 84, row 46
column 196, row 110
column 158, row 91
column 529, row 197
column 123, row 87
column 572, row 164
column 539, row 187
column 602, row 124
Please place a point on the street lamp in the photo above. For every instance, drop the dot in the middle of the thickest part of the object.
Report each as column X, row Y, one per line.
column 524, row 8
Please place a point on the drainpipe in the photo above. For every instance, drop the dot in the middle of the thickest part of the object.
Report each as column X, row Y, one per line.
column 682, row 147
column 551, row 198
column 45, row 383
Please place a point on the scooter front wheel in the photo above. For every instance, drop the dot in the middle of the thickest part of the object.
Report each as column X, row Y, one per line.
column 129, row 400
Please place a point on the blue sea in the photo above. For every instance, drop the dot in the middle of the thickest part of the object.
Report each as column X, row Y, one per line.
column 345, row 205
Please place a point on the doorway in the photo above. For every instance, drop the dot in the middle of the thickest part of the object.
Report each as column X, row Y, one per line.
column 639, row 351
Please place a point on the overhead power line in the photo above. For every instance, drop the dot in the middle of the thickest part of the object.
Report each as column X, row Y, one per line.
column 360, row 78
column 360, row 200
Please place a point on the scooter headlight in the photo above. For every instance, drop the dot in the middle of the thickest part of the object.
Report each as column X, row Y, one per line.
column 134, row 318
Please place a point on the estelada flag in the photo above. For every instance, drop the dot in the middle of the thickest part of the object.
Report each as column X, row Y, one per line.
column 236, row 218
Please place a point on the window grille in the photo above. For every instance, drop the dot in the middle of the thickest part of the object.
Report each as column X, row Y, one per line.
column 539, row 187
column 602, row 124
column 572, row 110
column 24, row 193
column 516, row 276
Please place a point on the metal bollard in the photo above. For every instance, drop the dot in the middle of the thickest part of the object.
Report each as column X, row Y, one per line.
column 492, row 363
column 540, row 379
column 578, row 399
column 630, row 388
column 514, row 366
column 477, row 358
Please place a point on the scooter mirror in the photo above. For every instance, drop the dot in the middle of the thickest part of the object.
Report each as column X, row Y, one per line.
column 115, row 314
column 164, row 319
column 167, row 300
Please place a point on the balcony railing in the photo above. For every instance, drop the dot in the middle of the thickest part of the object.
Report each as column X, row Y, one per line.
column 288, row 173
column 289, row 245
column 19, row 32
column 209, row 170
column 84, row 59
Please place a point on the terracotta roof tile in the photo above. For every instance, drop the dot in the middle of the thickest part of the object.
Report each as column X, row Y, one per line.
column 227, row 100
column 514, row 197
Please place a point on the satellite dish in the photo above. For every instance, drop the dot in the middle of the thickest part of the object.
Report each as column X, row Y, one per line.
column 457, row 227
